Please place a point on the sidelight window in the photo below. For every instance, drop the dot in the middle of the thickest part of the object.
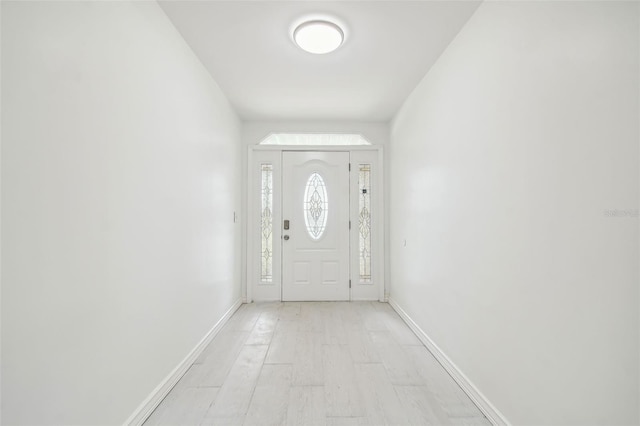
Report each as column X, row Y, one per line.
column 266, row 224
column 364, row 221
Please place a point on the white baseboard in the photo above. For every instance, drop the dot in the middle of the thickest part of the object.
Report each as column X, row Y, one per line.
column 488, row 409
column 155, row 398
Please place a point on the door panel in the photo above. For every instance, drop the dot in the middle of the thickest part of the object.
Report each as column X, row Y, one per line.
column 315, row 250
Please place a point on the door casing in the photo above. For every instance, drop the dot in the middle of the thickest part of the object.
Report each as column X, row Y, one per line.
column 255, row 290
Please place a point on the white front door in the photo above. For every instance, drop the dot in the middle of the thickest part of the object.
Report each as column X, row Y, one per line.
column 315, row 209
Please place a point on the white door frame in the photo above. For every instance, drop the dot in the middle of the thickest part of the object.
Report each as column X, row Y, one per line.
column 272, row 154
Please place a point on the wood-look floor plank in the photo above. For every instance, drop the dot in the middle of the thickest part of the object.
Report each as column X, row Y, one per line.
column 281, row 349
column 263, row 329
column 156, row 417
column 245, row 317
column 400, row 367
column 220, row 345
column 361, row 347
column 421, row 407
column 372, row 318
column 220, row 421
column 311, row 317
column 235, row 394
column 273, row 307
column 381, row 306
column 349, row 317
column 470, row 421
column 190, row 407
column 307, row 361
column 290, row 311
column 349, row 421
column 400, row 332
column 342, row 393
column 334, row 330
column 306, row 406
column 271, row 396
column 285, row 326
column 446, row 391
column 381, row 401
column 192, row 378
column 219, row 358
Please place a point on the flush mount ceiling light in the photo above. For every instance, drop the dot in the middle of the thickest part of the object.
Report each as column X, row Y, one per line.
column 318, row 36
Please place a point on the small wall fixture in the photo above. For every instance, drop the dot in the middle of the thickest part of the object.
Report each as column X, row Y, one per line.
column 318, row 36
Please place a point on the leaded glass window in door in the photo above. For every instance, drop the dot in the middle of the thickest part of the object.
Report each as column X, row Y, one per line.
column 316, row 206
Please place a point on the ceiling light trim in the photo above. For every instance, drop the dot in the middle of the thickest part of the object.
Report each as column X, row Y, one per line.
column 318, row 36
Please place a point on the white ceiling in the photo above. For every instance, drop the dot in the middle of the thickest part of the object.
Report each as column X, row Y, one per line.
column 389, row 47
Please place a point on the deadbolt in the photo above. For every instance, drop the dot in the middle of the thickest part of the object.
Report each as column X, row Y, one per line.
column 286, row 224
column 286, row 237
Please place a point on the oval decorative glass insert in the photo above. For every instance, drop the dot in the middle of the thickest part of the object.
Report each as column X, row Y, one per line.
column 316, row 206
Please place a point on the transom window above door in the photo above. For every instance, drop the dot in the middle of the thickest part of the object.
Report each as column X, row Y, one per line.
column 315, row 139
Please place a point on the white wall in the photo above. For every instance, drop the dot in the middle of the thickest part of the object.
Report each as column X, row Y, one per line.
column 506, row 164
column 120, row 176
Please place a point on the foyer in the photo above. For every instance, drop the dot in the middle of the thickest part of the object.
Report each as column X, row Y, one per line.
column 156, row 253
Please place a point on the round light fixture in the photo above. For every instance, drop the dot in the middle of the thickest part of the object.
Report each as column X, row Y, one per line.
column 318, row 36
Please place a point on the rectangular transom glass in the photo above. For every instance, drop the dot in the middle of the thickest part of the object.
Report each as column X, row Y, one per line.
column 364, row 221
column 266, row 224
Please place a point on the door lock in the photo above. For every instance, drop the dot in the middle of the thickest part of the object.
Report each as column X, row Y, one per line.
column 286, row 238
column 286, row 224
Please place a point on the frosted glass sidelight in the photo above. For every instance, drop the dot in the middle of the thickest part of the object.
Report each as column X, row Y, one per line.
column 315, row 206
column 364, row 221
column 266, row 224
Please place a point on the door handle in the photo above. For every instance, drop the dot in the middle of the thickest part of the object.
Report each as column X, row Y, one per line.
column 286, row 238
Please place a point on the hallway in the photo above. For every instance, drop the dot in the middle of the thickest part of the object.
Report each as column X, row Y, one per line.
column 163, row 162
column 333, row 363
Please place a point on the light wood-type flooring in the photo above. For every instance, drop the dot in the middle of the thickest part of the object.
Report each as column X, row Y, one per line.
column 316, row 363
